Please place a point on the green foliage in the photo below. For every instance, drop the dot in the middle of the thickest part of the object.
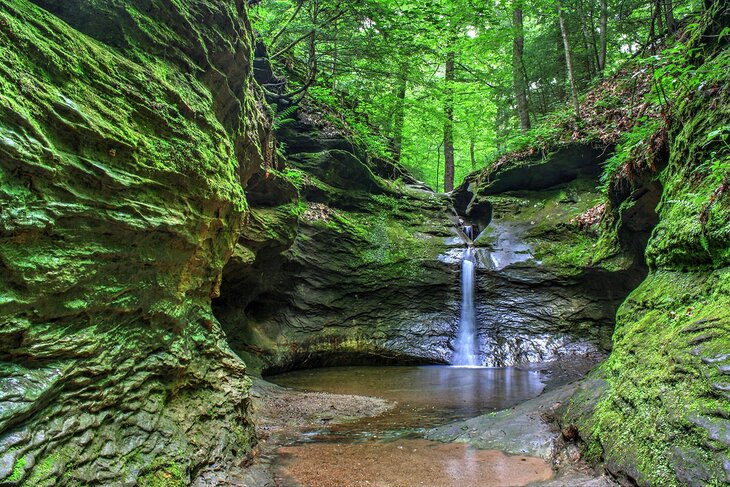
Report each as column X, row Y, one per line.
column 163, row 475
column 633, row 148
column 717, row 165
column 283, row 117
column 294, row 176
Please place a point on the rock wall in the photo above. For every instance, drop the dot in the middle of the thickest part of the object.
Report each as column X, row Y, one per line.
column 356, row 269
column 127, row 130
column 658, row 411
column 546, row 287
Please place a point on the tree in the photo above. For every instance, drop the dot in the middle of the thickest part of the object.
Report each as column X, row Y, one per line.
column 399, row 112
column 380, row 65
column 602, row 36
column 568, row 60
column 518, row 71
column 449, row 122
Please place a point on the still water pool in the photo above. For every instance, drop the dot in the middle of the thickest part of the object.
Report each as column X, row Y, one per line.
column 388, row 450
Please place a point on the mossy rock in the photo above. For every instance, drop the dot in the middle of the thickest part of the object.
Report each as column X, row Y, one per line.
column 126, row 133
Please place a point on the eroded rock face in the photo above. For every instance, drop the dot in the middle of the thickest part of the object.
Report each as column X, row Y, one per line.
column 352, row 273
column 546, row 288
column 662, row 416
column 126, row 133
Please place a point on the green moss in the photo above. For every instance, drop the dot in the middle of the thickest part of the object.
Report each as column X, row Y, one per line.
column 71, row 73
column 44, row 469
column 163, row 475
column 550, row 229
column 18, row 469
column 634, row 148
column 663, row 392
column 121, row 198
column 657, row 380
column 295, row 176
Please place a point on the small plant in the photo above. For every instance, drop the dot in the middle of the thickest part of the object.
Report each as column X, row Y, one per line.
column 284, row 116
column 718, row 164
column 634, row 149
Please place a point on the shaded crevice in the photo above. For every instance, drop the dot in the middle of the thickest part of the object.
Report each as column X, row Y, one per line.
column 313, row 360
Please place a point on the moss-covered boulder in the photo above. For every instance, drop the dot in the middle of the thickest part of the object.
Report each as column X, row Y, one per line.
column 127, row 130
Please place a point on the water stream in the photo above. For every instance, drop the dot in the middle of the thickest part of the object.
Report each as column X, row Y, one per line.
column 389, row 449
column 466, row 348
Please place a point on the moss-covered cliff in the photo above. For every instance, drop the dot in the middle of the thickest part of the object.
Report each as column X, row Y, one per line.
column 124, row 145
column 663, row 416
column 349, row 266
column 551, row 281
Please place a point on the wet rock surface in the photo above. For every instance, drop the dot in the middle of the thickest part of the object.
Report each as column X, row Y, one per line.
column 352, row 273
column 529, row 429
column 546, row 288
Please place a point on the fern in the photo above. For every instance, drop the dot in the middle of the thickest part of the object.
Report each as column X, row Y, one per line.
column 284, row 116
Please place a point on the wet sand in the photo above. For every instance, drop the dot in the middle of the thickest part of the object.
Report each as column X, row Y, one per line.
column 405, row 463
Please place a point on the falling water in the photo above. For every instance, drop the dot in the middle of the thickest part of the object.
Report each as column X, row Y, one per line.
column 468, row 231
column 465, row 347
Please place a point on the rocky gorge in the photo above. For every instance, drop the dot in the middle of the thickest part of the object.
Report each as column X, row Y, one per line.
column 164, row 238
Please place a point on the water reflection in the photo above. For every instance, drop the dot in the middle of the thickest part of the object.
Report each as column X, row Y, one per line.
column 426, row 395
column 404, row 463
column 387, row 450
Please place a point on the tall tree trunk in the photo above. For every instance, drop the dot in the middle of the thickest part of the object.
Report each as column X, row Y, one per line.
column 449, row 124
column 586, row 38
column 669, row 16
column 473, row 158
column 438, row 165
column 569, row 61
column 518, row 78
column 603, row 36
column 561, row 68
column 334, row 58
column 594, row 42
column 400, row 112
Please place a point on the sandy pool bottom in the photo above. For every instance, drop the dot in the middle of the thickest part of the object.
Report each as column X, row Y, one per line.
column 404, row 463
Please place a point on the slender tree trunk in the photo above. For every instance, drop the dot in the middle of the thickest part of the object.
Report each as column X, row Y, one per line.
column 669, row 16
column 569, row 61
column 659, row 16
column 594, row 41
column 519, row 81
column 586, row 39
column 438, row 165
column 334, row 58
column 603, row 36
column 449, row 124
column 561, row 67
column 543, row 101
column 400, row 113
column 473, row 158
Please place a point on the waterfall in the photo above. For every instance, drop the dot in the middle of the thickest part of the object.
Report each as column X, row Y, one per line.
column 468, row 231
column 466, row 350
